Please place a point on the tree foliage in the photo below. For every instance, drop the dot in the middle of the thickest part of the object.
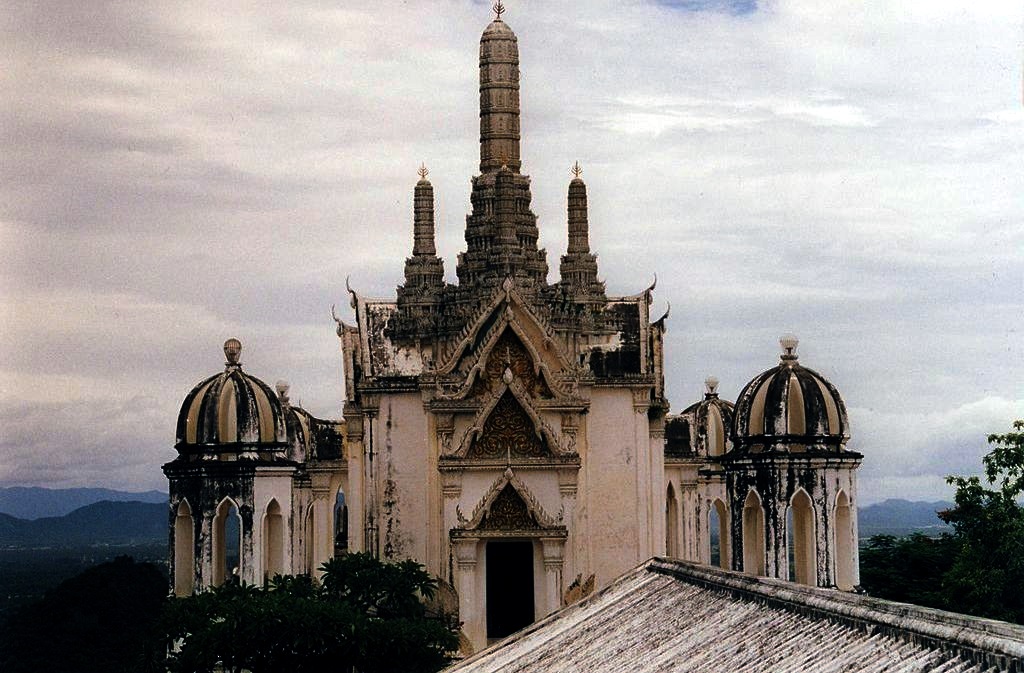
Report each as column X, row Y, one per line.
column 987, row 574
column 99, row 621
column 907, row 569
column 365, row 615
column 979, row 568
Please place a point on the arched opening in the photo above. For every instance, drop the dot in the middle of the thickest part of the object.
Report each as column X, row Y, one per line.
column 716, row 438
column 844, row 543
column 671, row 523
column 340, row 524
column 800, row 546
column 273, row 541
column 226, row 542
column 718, row 529
column 309, row 535
column 184, row 551
column 509, row 587
column 753, row 535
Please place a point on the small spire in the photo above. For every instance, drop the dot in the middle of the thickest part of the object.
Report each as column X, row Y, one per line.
column 232, row 351
column 499, row 9
column 711, row 387
column 576, row 170
column 789, row 344
column 422, row 171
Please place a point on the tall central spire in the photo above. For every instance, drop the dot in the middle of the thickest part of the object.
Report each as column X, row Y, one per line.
column 501, row 232
column 499, row 97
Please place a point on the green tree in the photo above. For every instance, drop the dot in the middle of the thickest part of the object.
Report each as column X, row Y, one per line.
column 366, row 615
column 987, row 574
column 907, row 569
column 100, row 621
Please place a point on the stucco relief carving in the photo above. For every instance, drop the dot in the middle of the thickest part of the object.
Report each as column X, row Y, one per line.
column 445, row 427
column 508, row 511
column 641, row 399
column 509, row 505
column 508, row 426
column 508, row 431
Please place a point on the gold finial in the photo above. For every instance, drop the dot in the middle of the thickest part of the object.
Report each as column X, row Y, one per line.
column 422, row 172
column 576, row 170
column 499, row 9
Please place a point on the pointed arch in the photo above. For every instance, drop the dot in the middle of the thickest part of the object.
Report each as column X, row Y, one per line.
column 718, row 525
column 715, row 435
column 340, row 523
column 753, row 534
column 801, row 546
column 273, row 540
column 227, row 541
column 671, row 522
column 184, row 550
column 844, row 543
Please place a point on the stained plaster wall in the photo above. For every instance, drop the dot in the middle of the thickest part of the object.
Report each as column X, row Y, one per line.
column 405, row 473
column 621, row 491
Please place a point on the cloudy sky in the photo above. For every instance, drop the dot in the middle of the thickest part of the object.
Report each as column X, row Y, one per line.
column 176, row 173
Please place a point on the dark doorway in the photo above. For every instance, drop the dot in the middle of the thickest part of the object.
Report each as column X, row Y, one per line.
column 509, row 586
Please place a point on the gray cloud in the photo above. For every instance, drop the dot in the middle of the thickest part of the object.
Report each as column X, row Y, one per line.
column 175, row 174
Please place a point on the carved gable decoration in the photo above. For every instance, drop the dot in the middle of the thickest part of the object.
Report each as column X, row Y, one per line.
column 508, row 511
column 510, row 353
column 509, row 431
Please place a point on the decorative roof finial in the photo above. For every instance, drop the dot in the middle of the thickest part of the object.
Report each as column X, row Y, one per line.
column 711, row 386
column 576, row 170
column 499, row 9
column 232, row 351
column 422, row 171
column 282, row 392
column 789, row 344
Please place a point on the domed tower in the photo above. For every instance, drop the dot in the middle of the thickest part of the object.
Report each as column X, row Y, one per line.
column 790, row 480
column 230, row 485
column 694, row 442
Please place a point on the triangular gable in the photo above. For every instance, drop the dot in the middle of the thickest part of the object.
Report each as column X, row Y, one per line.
column 507, row 309
column 508, row 504
column 508, row 425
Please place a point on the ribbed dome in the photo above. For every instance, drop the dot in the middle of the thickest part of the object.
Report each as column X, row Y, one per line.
column 231, row 408
column 790, row 408
column 711, row 420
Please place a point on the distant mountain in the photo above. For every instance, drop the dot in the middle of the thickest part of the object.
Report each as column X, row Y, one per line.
column 36, row 503
column 113, row 523
column 902, row 517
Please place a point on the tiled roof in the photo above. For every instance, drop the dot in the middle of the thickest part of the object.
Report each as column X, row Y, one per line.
column 673, row 616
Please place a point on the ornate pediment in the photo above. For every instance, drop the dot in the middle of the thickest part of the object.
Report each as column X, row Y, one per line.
column 508, row 426
column 509, row 505
column 507, row 328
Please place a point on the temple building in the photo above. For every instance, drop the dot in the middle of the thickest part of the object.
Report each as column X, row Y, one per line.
column 511, row 433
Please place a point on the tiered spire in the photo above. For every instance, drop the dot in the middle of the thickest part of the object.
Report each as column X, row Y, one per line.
column 501, row 232
column 499, row 96
column 579, row 267
column 424, row 271
column 423, row 216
